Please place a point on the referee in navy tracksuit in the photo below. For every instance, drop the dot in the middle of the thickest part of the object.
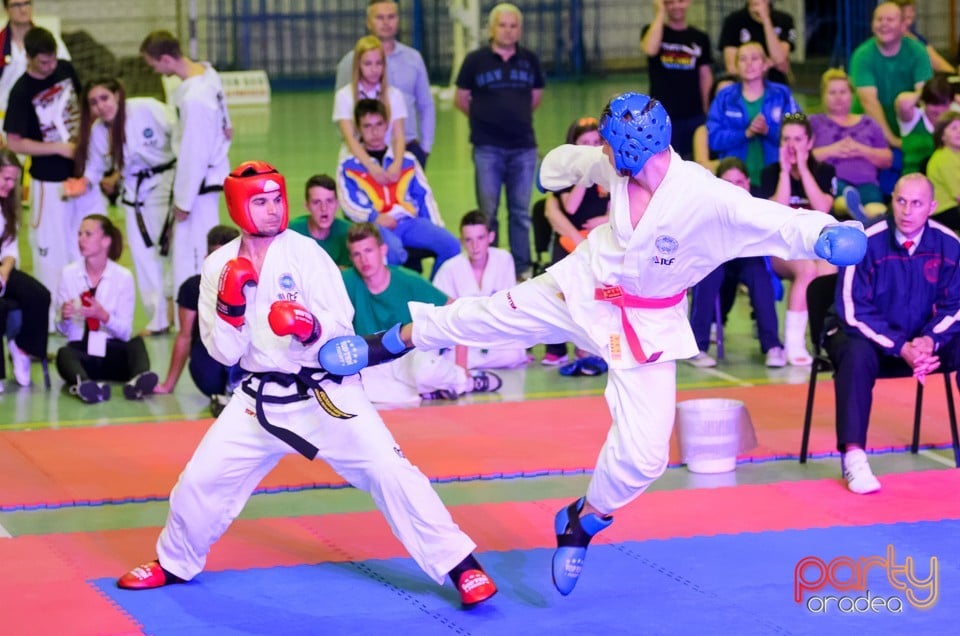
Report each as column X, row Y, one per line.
column 899, row 307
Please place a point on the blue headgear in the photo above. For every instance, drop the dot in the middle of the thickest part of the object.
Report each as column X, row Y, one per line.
column 636, row 127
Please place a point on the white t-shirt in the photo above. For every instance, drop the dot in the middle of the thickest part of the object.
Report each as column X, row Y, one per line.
column 343, row 105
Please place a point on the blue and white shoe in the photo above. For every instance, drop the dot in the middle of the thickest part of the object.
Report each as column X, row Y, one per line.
column 573, row 536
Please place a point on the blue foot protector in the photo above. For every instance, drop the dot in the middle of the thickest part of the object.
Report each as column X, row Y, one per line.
column 347, row 355
column 573, row 537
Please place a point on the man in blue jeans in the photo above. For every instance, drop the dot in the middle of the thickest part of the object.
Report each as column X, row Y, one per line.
column 498, row 88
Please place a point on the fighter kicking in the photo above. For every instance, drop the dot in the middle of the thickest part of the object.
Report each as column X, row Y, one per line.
column 621, row 295
column 268, row 300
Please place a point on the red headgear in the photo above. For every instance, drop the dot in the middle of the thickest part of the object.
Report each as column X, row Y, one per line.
column 247, row 180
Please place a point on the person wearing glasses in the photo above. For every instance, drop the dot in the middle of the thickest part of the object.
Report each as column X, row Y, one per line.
column 13, row 55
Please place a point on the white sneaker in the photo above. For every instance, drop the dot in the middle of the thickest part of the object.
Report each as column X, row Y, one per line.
column 856, row 470
column 799, row 357
column 702, row 360
column 21, row 364
column 776, row 358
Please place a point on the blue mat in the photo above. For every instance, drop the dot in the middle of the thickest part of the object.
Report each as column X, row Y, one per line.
column 733, row 584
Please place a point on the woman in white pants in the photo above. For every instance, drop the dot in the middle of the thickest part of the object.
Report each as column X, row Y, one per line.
column 129, row 141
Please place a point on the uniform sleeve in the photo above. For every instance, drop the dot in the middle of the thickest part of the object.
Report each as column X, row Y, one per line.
column 570, row 165
column 853, row 301
column 325, row 295
column 200, row 122
column 98, row 154
column 343, row 104
column 225, row 343
column 446, row 280
column 724, row 133
column 119, row 305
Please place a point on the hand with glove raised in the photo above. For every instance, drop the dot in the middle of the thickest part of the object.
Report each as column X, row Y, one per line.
column 843, row 244
column 288, row 318
column 236, row 276
column 347, row 355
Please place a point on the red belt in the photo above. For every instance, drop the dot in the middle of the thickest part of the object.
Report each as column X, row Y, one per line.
column 616, row 296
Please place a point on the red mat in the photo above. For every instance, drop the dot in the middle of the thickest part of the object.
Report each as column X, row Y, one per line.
column 46, row 574
column 58, row 467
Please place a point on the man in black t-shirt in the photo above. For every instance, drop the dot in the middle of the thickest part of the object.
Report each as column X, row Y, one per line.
column 759, row 22
column 679, row 61
column 498, row 88
column 42, row 121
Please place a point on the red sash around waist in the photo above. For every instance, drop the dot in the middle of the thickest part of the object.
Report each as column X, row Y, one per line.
column 616, row 296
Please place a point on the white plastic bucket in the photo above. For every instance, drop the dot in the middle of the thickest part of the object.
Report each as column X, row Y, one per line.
column 710, row 433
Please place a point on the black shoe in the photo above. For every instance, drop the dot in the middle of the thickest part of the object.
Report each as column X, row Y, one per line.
column 142, row 384
column 90, row 391
column 440, row 394
column 485, row 382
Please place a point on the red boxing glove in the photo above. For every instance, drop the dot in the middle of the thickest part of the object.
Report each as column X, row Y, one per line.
column 288, row 318
column 231, row 301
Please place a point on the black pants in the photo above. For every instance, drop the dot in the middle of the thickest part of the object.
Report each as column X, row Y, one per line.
column 211, row 377
column 858, row 363
column 33, row 300
column 122, row 362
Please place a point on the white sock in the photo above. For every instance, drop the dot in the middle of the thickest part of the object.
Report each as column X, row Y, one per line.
column 795, row 331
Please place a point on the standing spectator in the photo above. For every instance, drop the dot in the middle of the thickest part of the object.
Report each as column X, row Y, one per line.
column 907, row 257
column 799, row 181
column 405, row 210
column 772, row 29
column 406, row 72
column 498, row 88
column 886, row 65
column 322, row 223
column 96, row 300
column 215, row 380
column 33, row 299
column 482, row 270
column 43, row 118
column 679, row 61
column 937, row 61
column 853, row 144
column 13, row 54
column 201, row 143
column 369, row 81
column 944, row 170
column 745, row 119
column 131, row 139
column 917, row 114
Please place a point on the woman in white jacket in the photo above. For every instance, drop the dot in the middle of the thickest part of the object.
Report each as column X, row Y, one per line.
column 125, row 148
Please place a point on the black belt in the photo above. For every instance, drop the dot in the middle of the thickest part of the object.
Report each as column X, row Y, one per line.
column 308, row 386
column 207, row 189
column 136, row 204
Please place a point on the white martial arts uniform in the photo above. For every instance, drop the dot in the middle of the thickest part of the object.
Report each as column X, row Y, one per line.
column 201, row 143
column 455, row 278
column 336, row 418
column 148, row 162
column 692, row 223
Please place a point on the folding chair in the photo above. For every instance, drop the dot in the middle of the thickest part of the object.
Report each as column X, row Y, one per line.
column 820, row 295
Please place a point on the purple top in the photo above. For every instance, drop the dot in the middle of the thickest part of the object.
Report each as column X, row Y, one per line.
column 857, row 171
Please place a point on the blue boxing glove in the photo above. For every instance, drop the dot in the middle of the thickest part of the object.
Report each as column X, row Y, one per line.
column 347, row 355
column 843, row 244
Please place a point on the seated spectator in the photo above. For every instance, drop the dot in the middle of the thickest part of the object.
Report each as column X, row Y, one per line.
column 877, row 330
column 573, row 213
column 702, row 153
column 917, row 113
column 405, row 210
column 380, row 294
column 322, row 224
column 481, row 270
column 369, row 81
column 29, row 340
column 214, row 380
column 944, row 170
column 744, row 120
column 853, row 144
column 909, row 11
column 800, row 181
column 751, row 271
column 759, row 22
column 96, row 300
